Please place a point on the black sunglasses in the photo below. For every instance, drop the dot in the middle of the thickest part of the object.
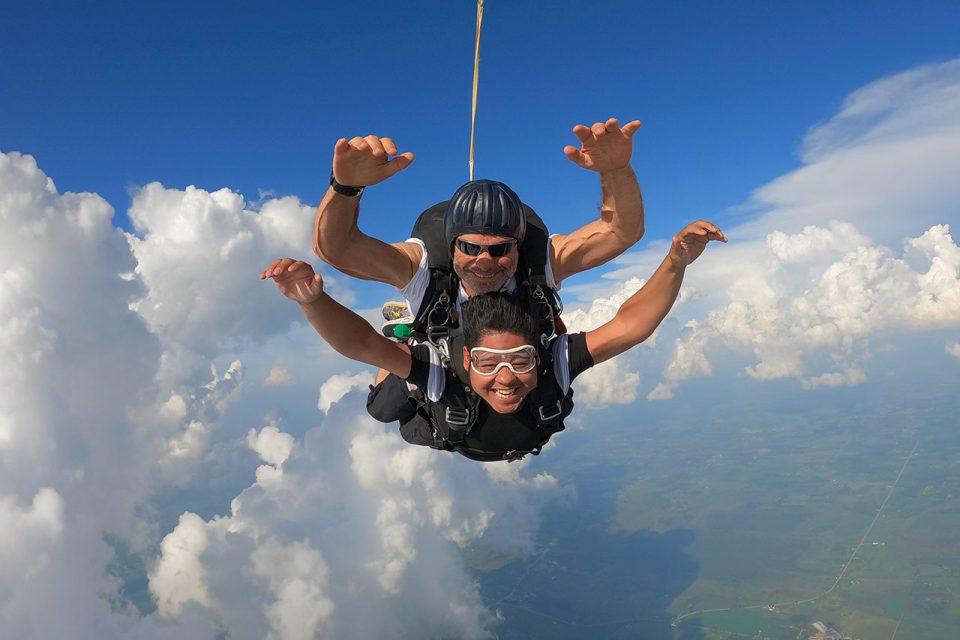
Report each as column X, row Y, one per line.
column 495, row 250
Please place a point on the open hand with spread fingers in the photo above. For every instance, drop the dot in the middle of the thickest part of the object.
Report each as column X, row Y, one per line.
column 605, row 146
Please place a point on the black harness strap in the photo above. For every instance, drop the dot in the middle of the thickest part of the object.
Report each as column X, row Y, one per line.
column 544, row 304
column 465, row 402
column 437, row 314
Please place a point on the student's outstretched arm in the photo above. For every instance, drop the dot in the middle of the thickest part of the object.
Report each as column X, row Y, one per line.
column 345, row 331
column 643, row 312
column 362, row 162
column 606, row 148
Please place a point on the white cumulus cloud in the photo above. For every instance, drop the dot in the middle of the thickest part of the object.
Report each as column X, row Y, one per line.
column 818, row 328
column 353, row 515
column 297, row 577
column 852, row 245
column 271, row 444
column 610, row 382
column 124, row 371
column 339, row 385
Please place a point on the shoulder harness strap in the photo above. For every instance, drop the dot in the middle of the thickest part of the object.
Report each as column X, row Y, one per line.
column 544, row 303
column 453, row 417
column 463, row 403
column 437, row 314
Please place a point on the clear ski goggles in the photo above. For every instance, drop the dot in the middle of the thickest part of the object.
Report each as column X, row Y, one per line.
column 487, row 362
column 495, row 250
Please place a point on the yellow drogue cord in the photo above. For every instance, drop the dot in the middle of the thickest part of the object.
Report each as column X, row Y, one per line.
column 476, row 79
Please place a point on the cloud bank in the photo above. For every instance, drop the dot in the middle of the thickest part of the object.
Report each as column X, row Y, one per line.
column 349, row 515
column 853, row 291
column 124, row 361
column 852, row 247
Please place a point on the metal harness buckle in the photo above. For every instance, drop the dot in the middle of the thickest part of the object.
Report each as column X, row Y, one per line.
column 551, row 414
column 457, row 417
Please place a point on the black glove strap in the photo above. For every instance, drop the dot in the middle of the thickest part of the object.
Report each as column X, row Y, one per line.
column 343, row 189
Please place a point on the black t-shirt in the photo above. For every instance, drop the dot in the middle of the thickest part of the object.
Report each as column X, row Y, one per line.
column 494, row 431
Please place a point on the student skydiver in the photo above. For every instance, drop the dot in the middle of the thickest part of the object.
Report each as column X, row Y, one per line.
column 498, row 355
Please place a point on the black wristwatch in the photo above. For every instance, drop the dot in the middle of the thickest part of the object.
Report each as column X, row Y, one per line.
column 343, row 189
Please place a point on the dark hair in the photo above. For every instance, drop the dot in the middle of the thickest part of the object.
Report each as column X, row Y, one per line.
column 484, row 206
column 495, row 313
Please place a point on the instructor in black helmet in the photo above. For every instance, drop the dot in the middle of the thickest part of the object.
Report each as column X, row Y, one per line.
column 480, row 237
column 485, row 251
column 485, row 224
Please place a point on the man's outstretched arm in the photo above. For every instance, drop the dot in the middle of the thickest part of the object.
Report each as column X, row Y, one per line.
column 345, row 331
column 643, row 312
column 605, row 148
column 337, row 239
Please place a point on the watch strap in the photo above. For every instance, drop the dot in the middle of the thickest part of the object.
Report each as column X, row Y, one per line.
column 343, row 189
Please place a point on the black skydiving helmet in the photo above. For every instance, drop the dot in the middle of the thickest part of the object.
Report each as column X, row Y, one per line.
column 487, row 207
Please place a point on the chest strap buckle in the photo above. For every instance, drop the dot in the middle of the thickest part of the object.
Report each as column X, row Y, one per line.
column 458, row 417
column 552, row 413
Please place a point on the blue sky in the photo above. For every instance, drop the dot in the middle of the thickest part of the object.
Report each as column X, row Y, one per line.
column 251, row 96
column 155, row 393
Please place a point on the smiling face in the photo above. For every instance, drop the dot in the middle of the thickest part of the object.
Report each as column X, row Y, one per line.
column 483, row 273
column 505, row 390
